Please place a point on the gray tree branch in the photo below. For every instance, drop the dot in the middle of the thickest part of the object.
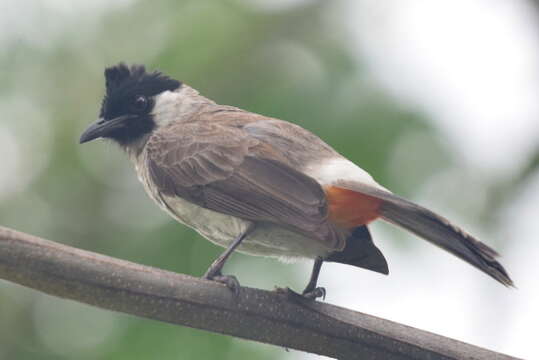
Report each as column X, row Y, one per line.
column 265, row 316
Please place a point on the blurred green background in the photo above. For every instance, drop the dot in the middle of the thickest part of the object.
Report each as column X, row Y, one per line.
column 294, row 60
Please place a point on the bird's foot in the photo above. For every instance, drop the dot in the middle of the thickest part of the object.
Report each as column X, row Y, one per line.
column 230, row 281
column 318, row 292
column 314, row 294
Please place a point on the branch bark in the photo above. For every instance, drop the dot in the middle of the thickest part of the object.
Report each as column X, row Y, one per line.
column 264, row 316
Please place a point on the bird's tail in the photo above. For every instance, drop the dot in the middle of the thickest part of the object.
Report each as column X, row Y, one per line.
column 435, row 229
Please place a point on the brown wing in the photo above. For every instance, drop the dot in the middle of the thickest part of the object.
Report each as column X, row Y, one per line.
column 222, row 168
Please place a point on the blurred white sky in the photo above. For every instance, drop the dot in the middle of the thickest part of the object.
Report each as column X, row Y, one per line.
column 471, row 65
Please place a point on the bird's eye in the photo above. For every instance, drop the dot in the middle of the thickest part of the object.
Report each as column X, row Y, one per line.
column 139, row 104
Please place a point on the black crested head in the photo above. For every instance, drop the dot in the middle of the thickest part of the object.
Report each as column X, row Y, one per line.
column 130, row 91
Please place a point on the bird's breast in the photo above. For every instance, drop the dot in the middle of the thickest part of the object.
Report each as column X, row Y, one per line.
column 221, row 229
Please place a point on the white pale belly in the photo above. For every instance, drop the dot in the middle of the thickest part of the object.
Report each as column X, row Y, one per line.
column 265, row 240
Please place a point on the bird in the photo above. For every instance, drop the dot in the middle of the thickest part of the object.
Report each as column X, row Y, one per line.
column 260, row 185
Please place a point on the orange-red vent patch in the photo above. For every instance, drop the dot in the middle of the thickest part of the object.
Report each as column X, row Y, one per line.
column 349, row 208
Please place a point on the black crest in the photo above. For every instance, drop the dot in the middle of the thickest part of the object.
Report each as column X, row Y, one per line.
column 124, row 83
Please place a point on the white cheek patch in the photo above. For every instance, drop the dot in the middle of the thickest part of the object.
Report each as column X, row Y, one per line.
column 333, row 170
column 166, row 107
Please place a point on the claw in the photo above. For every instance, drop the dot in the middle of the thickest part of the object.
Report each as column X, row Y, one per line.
column 230, row 281
column 316, row 293
column 306, row 296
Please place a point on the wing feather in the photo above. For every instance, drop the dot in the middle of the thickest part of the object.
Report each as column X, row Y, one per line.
column 218, row 167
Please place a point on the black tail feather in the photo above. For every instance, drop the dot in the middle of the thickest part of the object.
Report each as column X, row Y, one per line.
column 360, row 251
column 437, row 230
column 442, row 233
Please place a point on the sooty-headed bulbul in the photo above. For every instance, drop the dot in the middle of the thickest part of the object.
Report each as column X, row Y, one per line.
column 257, row 184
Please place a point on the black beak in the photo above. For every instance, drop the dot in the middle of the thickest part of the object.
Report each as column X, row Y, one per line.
column 102, row 128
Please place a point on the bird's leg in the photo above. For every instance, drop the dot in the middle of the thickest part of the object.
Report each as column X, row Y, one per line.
column 311, row 291
column 214, row 271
